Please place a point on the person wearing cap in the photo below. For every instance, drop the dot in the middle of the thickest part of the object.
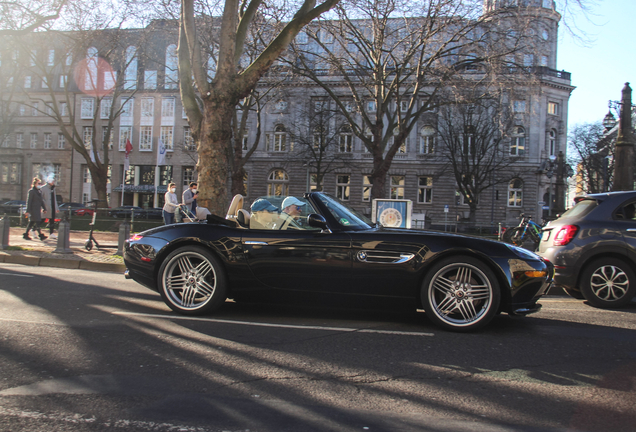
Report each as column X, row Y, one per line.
column 292, row 209
column 264, row 215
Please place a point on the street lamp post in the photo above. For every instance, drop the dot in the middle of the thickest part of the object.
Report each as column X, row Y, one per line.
column 624, row 154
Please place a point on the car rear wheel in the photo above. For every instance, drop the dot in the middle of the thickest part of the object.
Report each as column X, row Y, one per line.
column 460, row 294
column 192, row 281
column 608, row 283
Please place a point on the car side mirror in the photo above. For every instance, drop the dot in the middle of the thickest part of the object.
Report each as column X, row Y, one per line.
column 317, row 221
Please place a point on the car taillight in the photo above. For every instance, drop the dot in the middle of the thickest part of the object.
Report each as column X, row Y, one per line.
column 136, row 237
column 565, row 235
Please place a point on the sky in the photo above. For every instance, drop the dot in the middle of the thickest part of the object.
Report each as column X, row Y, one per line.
column 601, row 67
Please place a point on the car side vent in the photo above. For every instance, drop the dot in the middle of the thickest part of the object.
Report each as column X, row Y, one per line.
column 383, row 257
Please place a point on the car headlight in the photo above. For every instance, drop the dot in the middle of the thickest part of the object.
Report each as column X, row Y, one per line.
column 523, row 253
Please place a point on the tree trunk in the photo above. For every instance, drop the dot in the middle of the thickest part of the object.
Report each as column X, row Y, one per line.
column 216, row 132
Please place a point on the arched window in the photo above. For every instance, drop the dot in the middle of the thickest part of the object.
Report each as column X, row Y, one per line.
column 278, row 183
column 518, row 141
column 90, row 77
column 515, row 193
column 427, row 140
column 277, row 141
column 172, row 72
column 345, row 139
column 130, row 76
column 552, row 139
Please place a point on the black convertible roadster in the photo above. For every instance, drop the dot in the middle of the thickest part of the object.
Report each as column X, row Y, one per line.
column 319, row 246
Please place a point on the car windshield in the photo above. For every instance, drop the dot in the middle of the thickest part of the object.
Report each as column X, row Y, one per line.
column 345, row 215
column 581, row 208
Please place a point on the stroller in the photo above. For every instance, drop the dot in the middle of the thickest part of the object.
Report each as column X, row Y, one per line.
column 188, row 216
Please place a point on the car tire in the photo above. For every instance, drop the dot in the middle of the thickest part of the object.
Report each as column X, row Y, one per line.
column 513, row 236
column 192, row 281
column 608, row 283
column 460, row 294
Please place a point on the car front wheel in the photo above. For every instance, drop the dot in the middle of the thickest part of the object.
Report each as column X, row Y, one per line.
column 192, row 281
column 460, row 294
column 608, row 283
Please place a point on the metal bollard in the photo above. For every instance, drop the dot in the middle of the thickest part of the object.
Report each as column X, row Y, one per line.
column 64, row 236
column 5, row 226
column 124, row 234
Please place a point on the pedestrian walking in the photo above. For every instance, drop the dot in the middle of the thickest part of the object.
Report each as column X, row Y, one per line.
column 34, row 208
column 171, row 204
column 50, row 202
column 189, row 198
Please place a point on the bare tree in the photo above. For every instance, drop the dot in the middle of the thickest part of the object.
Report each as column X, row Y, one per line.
column 19, row 17
column 323, row 141
column 211, row 122
column 470, row 133
column 98, row 73
column 592, row 152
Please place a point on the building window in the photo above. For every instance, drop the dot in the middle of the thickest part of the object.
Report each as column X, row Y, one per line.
column 167, row 109
column 346, row 139
column 544, row 61
column 63, row 81
column 35, row 108
column 87, row 137
column 86, row 178
column 27, row 82
column 425, row 190
column 553, row 108
column 110, row 79
column 188, row 141
column 552, row 137
column 147, row 111
column 528, row 60
column 47, row 140
column 130, row 74
column 366, row 188
column 167, row 137
column 44, row 83
column 61, row 141
column 372, row 106
column 279, row 139
column 150, row 79
column 5, row 141
column 188, row 175
column 515, row 193
column 11, row 173
column 90, row 75
column 519, row 106
column 397, row 187
column 518, row 141
column 34, row 140
column 126, row 114
column 172, row 71
column 19, row 140
column 145, row 138
column 404, row 146
column 106, row 135
column 87, row 108
column 125, row 134
column 427, row 140
column 343, row 186
column 50, row 61
column 278, row 183
column 63, row 109
column 104, row 108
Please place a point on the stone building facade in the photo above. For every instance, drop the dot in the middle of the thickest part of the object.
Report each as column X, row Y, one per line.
column 152, row 114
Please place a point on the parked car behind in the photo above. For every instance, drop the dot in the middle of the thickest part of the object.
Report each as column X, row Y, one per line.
column 77, row 209
column 126, row 211
column 593, row 249
column 12, row 207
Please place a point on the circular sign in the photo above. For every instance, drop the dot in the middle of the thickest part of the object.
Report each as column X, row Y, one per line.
column 391, row 218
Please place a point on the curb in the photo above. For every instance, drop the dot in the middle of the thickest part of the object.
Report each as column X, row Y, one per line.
column 61, row 263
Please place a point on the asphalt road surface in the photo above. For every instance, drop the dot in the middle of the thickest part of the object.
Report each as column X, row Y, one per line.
column 89, row 351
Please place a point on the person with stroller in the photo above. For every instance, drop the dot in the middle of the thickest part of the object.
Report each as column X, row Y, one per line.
column 171, row 204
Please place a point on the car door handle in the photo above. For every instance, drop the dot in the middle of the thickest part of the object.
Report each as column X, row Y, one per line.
column 253, row 242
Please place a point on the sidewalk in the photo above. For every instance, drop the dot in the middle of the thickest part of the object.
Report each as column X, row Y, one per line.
column 41, row 253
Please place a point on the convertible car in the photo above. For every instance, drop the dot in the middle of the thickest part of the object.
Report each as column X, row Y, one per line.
column 327, row 249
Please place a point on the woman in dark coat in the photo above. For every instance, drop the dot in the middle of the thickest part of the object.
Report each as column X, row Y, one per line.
column 35, row 205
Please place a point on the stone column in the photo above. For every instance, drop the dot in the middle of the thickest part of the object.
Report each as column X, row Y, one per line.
column 624, row 155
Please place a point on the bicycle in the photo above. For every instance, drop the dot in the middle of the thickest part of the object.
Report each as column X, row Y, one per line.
column 526, row 230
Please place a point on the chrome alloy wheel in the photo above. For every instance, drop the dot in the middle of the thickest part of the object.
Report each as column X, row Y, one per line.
column 609, row 283
column 460, row 294
column 189, row 280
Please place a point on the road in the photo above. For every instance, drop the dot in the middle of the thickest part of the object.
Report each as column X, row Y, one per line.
column 90, row 351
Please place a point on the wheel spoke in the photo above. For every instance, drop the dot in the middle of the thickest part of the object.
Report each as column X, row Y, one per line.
column 203, row 268
column 443, row 285
column 184, row 264
column 447, row 305
column 205, row 288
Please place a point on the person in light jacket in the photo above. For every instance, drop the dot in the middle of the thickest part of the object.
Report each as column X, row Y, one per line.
column 171, row 204
column 34, row 208
column 50, row 202
column 189, row 197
